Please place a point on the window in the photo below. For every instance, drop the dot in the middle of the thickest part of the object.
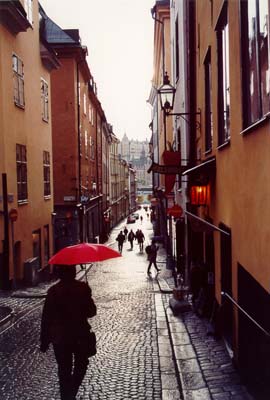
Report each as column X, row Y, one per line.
column 79, row 93
column 91, row 114
column 255, row 60
column 223, row 77
column 176, row 50
column 84, row 104
column 208, row 102
column 44, row 100
column 46, row 173
column 86, row 144
column 92, row 149
column 21, row 165
column 28, row 6
column 18, row 80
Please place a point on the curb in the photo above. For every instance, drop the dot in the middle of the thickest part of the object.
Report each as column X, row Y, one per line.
column 190, row 376
column 6, row 313
column 163, row 286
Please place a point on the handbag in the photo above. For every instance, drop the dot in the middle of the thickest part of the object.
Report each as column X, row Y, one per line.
column 87, row 344
column 92, row 344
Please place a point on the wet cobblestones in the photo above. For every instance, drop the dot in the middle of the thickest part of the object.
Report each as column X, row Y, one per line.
column 144, row 351
column 127, row 363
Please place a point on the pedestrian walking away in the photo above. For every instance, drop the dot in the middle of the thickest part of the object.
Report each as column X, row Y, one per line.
column 152, row 256
column 64, row 323
column 125, row 233
column 141, row 217
column 131, row 237
column 120, row 239
column 140, row 239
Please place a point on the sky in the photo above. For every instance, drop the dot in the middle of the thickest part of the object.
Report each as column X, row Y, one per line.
column 119, row 35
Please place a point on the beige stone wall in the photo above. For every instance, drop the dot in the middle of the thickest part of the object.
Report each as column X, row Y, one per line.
column 26, row 127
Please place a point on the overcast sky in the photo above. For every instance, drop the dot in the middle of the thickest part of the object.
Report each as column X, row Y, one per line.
column 119, row 37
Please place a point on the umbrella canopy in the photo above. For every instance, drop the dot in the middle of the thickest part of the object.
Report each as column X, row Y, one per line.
column 83, row 253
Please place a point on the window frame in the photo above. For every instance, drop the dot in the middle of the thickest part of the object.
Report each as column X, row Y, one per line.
column 86, row 144
column 253, row 113
column 21, row 173
column 46, row 174
column 177, row 66
column 208, row 102
column 28, row 6
column 223, row 97
column 18, row 81
column 44, row 100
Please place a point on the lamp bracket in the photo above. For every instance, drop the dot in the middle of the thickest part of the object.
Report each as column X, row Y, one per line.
column 183, row 116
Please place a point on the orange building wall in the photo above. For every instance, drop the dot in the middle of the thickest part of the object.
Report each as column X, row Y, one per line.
column 241, row 193
column 24, row 127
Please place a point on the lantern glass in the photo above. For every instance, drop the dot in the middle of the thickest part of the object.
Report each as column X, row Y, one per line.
column 166, row 93
column 198, row 195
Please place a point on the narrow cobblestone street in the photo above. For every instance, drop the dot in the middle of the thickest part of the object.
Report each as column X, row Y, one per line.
column 127, row 363
column 144, row 350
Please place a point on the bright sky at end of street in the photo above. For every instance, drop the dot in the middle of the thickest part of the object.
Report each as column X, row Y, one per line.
column 119, row 36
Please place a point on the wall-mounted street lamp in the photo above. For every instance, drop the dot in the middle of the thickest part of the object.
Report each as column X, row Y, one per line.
column 167, row 94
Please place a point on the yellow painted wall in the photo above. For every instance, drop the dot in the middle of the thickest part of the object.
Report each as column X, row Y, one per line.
column 241, row 192
column 26, row 127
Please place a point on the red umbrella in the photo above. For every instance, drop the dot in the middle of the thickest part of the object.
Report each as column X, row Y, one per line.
column 83, row 253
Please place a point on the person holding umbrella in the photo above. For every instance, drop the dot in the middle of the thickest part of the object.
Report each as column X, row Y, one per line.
column 64, row 323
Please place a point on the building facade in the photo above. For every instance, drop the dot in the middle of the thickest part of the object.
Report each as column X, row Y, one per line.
column 77, row 141
column 233, row 93
column 221, row 82
column 25, row 144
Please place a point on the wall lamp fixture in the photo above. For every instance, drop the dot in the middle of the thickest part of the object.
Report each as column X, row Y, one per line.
column 167, row 94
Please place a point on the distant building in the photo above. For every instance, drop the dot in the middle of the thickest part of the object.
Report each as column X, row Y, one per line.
column 133, row 149
column 136, row 152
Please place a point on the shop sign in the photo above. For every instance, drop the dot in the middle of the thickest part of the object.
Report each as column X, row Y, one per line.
column 165, row 169
column 69, row 198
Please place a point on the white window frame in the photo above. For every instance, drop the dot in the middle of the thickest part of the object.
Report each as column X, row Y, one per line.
column 44, row 87
column 18, row 80
column 86, row 143
column 28, row 6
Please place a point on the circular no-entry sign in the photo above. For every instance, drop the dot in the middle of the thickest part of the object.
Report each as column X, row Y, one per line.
column 13, row 214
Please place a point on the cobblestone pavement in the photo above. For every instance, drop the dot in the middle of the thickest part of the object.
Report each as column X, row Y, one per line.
column 144, row 350
column 127, row 363
column 204, row 366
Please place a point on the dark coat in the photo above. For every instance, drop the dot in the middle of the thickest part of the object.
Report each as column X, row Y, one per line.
column 152, row 256
column 67, row 307
column 121, row 238
column 131, row 236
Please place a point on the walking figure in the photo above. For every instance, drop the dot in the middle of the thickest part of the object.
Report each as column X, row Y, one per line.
column 141, row 217
column 152, row 257
column 120, row 239
column 131, row 237
column 140, row 239
column 64, row 323
column 126, row 232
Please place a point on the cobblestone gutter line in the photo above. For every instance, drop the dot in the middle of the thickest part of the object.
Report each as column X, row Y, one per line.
column 205, row 369
column 169, row 379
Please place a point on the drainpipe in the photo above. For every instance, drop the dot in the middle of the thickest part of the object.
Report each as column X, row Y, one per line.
column 153, row 13
column 5, row 270
column 81, row 216
column 97, row 171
